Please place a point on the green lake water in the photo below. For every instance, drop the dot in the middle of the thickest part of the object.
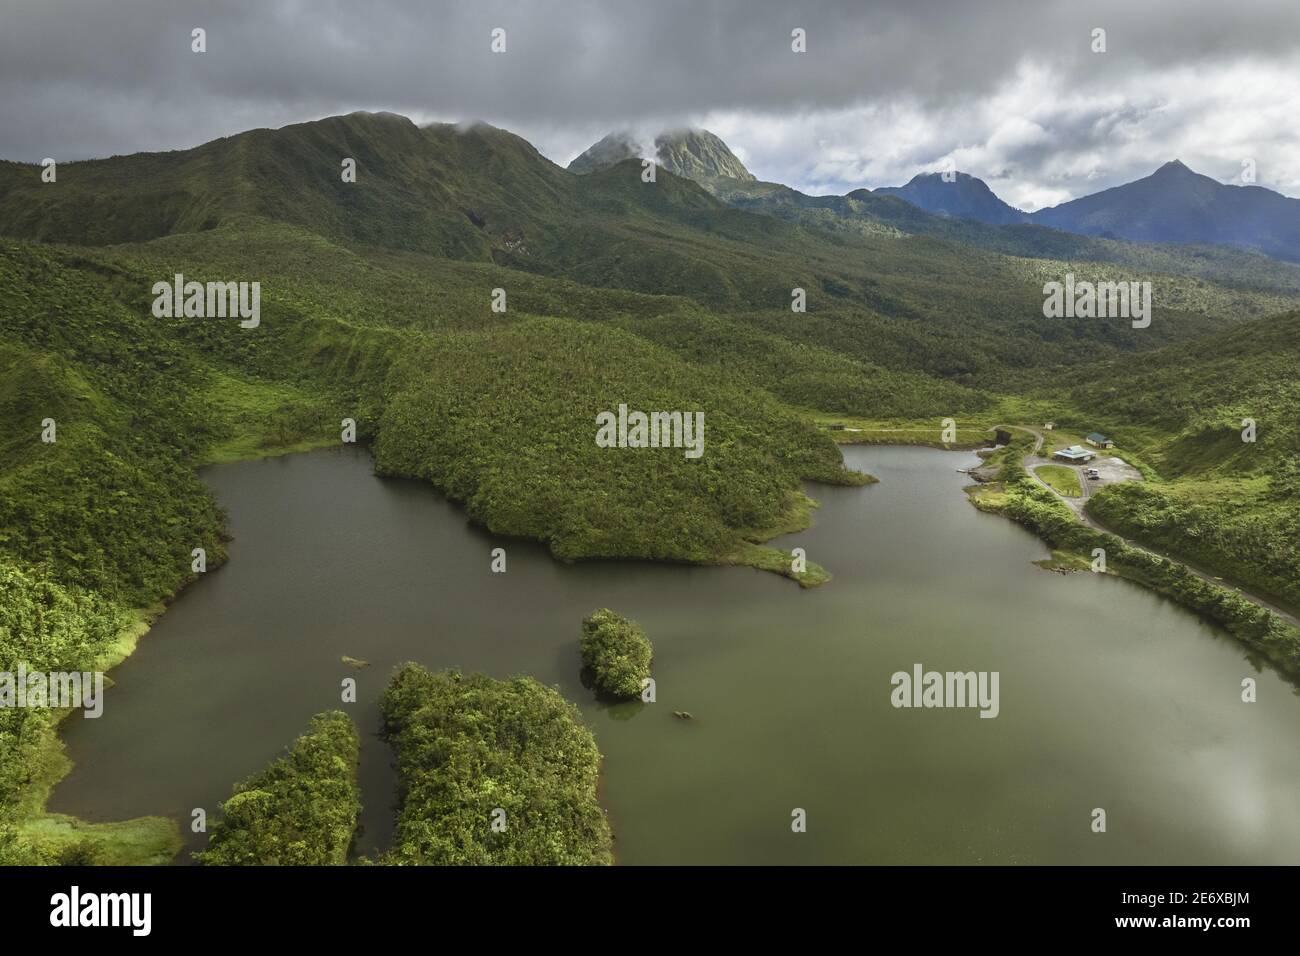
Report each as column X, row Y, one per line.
column 1110, row 696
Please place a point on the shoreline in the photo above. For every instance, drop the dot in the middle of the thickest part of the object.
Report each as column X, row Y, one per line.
column 148, row 840
column 143, row 836
column 1247, row 620
column 156, row 840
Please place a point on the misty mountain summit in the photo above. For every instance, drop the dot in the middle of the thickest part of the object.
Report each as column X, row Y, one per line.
column 611, row 148
column 690, row 153
column 698, row 154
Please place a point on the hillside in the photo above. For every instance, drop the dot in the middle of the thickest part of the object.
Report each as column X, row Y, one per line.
column 1223, row 503
column 377, row 305
column 888, row 286
column 608, row 150
column 505, row 422
column 698, row 154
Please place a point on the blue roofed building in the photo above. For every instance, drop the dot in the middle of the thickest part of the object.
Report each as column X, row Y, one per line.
column 1075, row 454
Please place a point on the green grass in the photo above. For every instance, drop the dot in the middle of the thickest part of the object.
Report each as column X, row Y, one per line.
column 264, row 419
column 60, row 839
column 1065, row 561
column 967, row 433
column 1061, row 479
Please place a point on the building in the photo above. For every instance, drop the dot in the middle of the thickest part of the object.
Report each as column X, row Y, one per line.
column 1098, row 440
column 1075, row 455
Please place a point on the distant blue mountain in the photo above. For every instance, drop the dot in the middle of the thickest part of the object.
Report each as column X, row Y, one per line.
column 1175, row 204
column 965, row 197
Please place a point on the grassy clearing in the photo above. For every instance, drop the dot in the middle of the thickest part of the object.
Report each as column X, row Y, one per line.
column 59, row 838
column 1061, row 478
column 972, row 430
column 261, row 419
column 63, row 840
column 1064, row 561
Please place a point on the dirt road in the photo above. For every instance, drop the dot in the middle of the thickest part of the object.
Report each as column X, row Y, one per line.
column 1078, row 506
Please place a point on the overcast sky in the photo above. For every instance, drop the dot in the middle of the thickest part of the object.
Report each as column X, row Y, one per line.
column 1007, row 90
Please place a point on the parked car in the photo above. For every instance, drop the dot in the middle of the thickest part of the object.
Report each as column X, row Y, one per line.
column 1092, row 473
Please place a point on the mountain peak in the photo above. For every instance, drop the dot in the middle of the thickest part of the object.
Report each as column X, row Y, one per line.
column 962, row 197
column 1178, row 204
column 610, row 149
column 690, row 153
column 698, row 154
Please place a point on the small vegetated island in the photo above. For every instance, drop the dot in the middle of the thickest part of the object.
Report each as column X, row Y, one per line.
column 617, row 653
column 498, row 772
column 301, row 810
column 489, row 772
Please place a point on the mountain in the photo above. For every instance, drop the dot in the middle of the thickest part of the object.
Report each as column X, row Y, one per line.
column 1175, row 204
column 871, row 215
column 611, row 149
column 698, row 154
column 452, row 190
column 690, row 153
column 965, row 197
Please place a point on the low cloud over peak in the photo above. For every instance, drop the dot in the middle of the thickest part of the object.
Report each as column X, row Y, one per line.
column 1011, row 93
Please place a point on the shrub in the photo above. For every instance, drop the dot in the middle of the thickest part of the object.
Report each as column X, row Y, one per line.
column 617, row 652
column 301, row 810
column 468, row 747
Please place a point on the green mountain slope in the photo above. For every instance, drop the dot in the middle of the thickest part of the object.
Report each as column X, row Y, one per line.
column 878, row 269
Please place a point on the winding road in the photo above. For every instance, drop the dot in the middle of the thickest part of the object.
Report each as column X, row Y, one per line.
column 1078, row 506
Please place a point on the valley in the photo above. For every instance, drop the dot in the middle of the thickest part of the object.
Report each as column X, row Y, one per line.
column 476, row 427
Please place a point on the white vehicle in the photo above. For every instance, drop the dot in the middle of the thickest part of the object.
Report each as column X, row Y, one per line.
column 1092, row 473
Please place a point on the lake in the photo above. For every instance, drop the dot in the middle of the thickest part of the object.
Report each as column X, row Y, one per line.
column 1110, row 696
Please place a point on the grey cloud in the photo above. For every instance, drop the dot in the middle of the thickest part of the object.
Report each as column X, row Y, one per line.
column 91, row 79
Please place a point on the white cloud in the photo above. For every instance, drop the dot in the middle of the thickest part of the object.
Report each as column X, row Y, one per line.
column 1037, row 140
column 1007, row 90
